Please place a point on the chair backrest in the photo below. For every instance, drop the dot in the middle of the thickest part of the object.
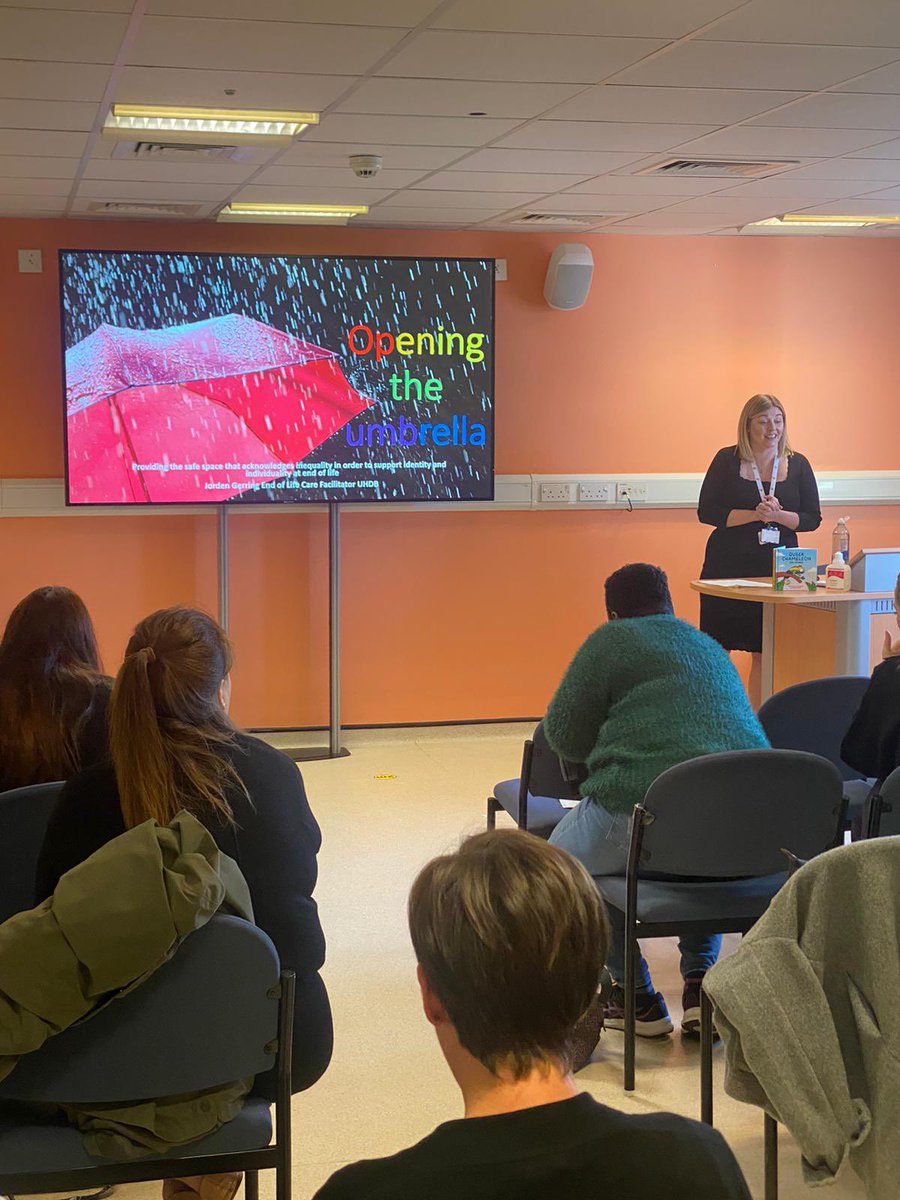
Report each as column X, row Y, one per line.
column 888, row 807
column 207, row 1017
column 24, row 813
column 549, row 776
column 814, row 716
column 730, row 815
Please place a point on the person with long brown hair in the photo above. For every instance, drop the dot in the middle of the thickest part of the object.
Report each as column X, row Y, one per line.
column 173, row 747
column 53, row 693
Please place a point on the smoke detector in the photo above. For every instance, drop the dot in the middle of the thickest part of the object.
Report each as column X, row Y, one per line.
column 366, row 166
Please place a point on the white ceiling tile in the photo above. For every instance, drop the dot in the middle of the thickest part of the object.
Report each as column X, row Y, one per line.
column 885, row 169
column 837, row 110
column 563, row 162
column 601, row 135
column 738, row 208
column 867, row 207
column 146, row 189
column 401, row 13
column 32, row 206
column 714, row 106
column 528, row 58
column 883, row 194
column 813, row 22
column 573, row 202
column 93, row 6
column 360, row 131
column 649, row 185
column 287, row 176
column 49, row 35
column 455, row 97
column 253, row 89
column 490, row 181
column 767, row 142
column 260, row 46
column 422, row 216
column 42, row 142
column 789, row 188
column 621, row 18
column 669, row 222
column 890, row 149
column 268, row 194
column 886, row 79
column 169, row 172
column 34, row 167
column 47, row 114
column 498, row 201
column 746, row 65
column 51, row 81
column 33, row 187
column 336, row 154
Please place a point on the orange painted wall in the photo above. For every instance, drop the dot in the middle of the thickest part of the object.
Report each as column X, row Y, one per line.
column 473, row 615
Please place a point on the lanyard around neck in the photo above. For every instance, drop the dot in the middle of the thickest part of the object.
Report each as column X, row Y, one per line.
column 758, row 477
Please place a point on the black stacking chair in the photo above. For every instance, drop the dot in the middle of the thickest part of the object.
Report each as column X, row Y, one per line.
column 534, row 799
column 24, row 813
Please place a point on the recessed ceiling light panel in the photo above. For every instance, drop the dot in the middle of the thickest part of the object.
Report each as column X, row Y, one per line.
column 212, row 125
column 291, row 214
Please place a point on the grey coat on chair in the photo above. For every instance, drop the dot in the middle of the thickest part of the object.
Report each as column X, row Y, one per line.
column 807, row 1009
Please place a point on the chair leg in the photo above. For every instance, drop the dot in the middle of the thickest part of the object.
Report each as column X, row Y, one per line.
column 251, row 1185
column 770, row 1140
column 706, row 1068
column 630, row 954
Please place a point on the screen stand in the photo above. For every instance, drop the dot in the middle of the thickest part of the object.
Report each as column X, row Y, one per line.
column 335, row 749
column 222, row 555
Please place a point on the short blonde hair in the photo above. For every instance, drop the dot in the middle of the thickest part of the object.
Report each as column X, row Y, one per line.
column 757, row 404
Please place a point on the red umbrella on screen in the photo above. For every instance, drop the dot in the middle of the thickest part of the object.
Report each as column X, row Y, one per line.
column 161, row 414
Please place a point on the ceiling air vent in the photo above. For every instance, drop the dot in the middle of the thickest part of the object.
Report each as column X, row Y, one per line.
column 576, row 220
column 716, row 168
column 181, row 152
column 134, row 208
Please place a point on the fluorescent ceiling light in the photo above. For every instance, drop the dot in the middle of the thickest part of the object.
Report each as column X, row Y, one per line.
column 210, row 125
column 292, row 214
column 818, row 221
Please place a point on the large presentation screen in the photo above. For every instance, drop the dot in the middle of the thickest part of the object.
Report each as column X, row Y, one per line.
column 213, row 378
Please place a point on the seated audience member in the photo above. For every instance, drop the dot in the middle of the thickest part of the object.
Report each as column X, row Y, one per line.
column 173, row 747
column 872, row 743
column 644, row 692
column 510, row 936
column 53, row 694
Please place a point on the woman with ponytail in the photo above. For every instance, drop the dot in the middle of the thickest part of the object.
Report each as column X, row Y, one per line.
column 173, row 747
column 53, row 694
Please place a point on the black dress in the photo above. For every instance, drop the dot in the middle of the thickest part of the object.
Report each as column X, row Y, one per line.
column 735, row 552
column 274, row 840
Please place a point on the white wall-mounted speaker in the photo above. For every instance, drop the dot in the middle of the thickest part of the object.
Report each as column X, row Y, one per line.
column 569, row 276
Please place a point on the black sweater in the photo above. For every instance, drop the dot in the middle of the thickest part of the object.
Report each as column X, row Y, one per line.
column 872, row 743
column 571, row 1149
column 274, row 841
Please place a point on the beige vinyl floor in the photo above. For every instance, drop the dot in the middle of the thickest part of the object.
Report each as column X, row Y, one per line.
column 400, row 798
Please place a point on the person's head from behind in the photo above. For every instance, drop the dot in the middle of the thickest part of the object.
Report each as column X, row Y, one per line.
column 637, row 590
column 169, row 719
column 510, row 937
column 762, row 426
column 49, row 668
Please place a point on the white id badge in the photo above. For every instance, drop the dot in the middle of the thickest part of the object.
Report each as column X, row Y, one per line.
column 769, row 537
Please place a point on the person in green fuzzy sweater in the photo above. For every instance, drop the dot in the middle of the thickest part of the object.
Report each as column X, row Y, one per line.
column 646, row 691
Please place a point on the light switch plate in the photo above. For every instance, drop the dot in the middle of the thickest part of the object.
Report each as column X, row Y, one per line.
column 30, row 262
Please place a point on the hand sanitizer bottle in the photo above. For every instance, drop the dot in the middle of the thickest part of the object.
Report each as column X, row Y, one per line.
column 840, row 539
column 837, row 574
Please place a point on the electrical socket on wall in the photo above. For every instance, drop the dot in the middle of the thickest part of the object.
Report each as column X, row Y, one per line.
column 556, row 493
column 593, row 493
column 635, row 492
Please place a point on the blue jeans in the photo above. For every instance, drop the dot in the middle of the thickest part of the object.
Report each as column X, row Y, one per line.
column 599, row 839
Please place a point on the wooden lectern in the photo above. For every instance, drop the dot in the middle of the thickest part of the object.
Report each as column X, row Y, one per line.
column 797, row 647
